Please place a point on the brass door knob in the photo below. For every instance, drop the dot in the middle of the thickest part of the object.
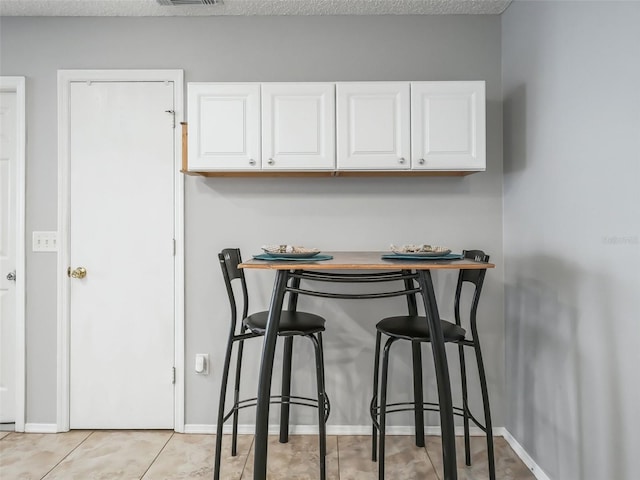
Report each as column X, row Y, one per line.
column 79, row 272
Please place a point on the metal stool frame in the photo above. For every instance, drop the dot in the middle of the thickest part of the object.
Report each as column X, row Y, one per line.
column 379, row 411
column 229, row 259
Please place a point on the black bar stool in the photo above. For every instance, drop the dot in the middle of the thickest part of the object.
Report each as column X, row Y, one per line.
column 414, row 329
column 292, row 324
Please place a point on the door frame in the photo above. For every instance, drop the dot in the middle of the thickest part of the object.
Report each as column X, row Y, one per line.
column 17, row 85
column 65, row 78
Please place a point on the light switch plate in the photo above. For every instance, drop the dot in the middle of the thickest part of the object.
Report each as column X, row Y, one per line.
column 45, row 242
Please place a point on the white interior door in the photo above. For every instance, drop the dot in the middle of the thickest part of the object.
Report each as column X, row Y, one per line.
column 121, row 231
column 8, row 154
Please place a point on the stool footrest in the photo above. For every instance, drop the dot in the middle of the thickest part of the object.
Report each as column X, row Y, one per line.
column 279, row 399
column 410, row 407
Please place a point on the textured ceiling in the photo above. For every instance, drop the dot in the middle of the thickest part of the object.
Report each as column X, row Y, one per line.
column 135, row 8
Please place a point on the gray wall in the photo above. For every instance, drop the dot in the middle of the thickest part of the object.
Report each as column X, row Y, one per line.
column 329, row 213
column 572, row 229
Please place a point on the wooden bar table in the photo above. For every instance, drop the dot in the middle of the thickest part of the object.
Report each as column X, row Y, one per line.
column 356, row 262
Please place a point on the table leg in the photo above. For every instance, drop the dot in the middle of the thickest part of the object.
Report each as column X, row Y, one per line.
column 442, row 375
column 264, row 382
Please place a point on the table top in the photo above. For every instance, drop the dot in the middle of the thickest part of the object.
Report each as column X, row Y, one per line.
column 364, row 261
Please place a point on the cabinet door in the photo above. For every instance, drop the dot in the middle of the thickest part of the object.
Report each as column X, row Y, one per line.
column 373, row 126
column 448, row 126
column 224, row 126
column 298, row 126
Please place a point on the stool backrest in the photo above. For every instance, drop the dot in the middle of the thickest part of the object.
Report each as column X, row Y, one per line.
column 476, row 277
column 229, row 259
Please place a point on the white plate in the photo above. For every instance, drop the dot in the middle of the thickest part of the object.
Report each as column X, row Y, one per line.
column 441, row 253
column 293, row 255
column 292, row 251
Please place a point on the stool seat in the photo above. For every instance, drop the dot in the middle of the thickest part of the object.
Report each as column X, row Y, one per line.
column 415, row 328
column 291, row 323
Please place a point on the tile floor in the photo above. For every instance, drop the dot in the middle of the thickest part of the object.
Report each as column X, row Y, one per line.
column 164, row 455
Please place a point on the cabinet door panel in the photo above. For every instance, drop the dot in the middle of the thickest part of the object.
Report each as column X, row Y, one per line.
column 224, row 122
column 298, row 126
column 373, row 126
column 448, row 125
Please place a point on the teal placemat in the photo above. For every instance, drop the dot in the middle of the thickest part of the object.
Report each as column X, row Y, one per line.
column 448, row 256
column 316, row 258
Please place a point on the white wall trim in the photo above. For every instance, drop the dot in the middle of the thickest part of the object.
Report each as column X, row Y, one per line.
column 333, row 430
column 179, row 294
column 65, row 77
column 17, row 84
column 525, row 457
column 41, row 428
column 199, row 428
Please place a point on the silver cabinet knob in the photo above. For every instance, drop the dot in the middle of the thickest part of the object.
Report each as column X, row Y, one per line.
column 252, row 161
column 11, row 276
column 401, row 160
column 421, row 161
column 271, row 161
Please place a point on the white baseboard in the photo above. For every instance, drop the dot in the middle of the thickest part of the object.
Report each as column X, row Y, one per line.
column 197, row 428
column 524, row 456
column 332, row 430
column 40, row 428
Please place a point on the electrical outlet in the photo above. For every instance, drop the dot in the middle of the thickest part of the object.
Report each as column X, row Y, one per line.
column 202, row 363
column 45, row 241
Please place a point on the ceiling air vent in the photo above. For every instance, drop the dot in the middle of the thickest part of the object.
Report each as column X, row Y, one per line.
column 188, row 2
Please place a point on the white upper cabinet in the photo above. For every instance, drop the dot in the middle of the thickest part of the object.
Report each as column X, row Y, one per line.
column 298, row 126
column 373, row 126
column 332, row 127
column 224, row 122
column 448, row 126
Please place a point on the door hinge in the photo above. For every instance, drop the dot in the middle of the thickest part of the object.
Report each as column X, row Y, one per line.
column 173, row 113
column 173, row 375
column 174, row 247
